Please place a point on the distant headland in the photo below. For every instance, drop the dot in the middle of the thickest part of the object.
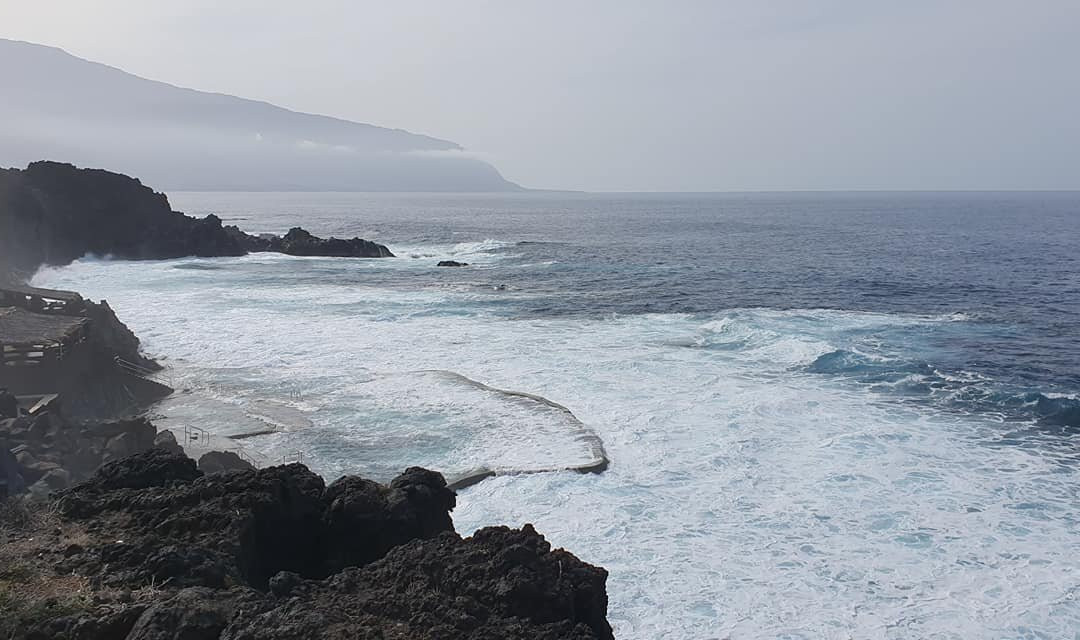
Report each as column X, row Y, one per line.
column 57, row 105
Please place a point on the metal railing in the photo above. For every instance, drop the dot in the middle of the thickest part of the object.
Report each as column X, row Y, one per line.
column 140, row 371
column 196, row 436
column 201, row 438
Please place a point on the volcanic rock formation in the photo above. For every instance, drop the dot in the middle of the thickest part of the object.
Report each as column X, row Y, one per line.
column 53, row 213
column 165, row 552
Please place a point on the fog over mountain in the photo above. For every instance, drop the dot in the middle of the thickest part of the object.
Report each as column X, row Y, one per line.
column 59, row 107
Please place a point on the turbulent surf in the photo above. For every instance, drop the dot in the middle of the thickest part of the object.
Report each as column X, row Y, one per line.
column 823, row 418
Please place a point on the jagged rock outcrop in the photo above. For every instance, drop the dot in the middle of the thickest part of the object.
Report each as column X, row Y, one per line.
column 166, row 441
column 364, row 519
column 274, row 553
column 298, row 242
column 501, row 584
column 222, row 461
column 53, row 213
column 110, row 336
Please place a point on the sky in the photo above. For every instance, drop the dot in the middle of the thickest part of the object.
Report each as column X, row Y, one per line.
column 640, row 95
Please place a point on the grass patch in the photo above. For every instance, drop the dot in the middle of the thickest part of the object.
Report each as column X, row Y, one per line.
column 22, row 608
column 30, row 591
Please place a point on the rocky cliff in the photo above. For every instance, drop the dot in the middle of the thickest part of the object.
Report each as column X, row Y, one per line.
column 150, row 548
column 53, row 213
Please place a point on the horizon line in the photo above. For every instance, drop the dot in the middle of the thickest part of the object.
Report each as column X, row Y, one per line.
column 527, row 191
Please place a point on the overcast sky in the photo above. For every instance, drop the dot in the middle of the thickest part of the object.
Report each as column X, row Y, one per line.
column 640, row 95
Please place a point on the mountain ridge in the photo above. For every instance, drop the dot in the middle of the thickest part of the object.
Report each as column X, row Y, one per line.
column 66, row 108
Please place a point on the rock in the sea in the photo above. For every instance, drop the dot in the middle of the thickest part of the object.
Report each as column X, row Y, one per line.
column 221, row 461
column 451, row 263
column 298, row 242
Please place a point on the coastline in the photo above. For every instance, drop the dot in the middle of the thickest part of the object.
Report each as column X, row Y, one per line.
column 260, row 552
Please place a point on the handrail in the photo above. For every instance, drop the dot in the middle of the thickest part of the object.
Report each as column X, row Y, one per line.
column 203, row 439
column 199, row 436
column 140, row 371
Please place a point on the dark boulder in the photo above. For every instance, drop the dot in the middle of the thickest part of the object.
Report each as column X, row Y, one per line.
column 152, row 469
column 222, row 461
column 264, row 521
column 364, row 519
column 451, row 263
column 166, row 441
column 501, row 583
column 298, row 242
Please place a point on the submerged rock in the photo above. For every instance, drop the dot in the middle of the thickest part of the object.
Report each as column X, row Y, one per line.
column 451, row 263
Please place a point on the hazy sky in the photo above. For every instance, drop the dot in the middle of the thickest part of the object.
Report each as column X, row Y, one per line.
column 640, row 95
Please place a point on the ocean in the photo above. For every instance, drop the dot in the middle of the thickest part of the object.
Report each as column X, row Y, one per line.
column 828, row 415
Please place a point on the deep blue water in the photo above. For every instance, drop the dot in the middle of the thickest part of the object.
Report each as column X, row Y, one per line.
column 1005, row 264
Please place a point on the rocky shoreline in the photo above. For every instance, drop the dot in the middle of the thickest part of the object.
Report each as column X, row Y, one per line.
column 121, row 535
column 53, row 214
column 151, row 548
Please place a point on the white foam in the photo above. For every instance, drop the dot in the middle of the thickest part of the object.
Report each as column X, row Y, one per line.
column 746, row 499
column 485, row 251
